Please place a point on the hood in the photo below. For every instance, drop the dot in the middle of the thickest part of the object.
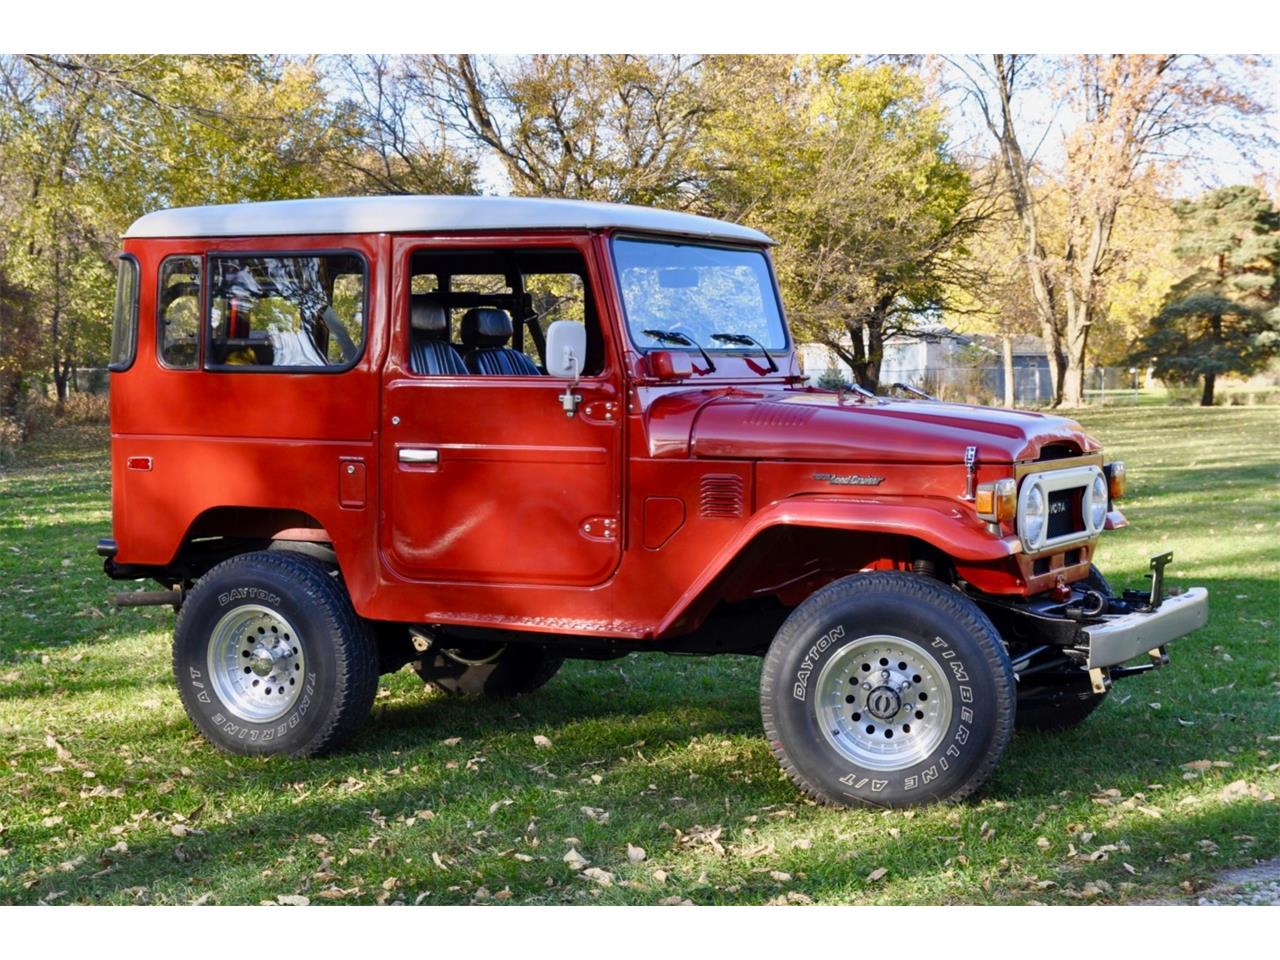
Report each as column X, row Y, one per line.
column 821, row 426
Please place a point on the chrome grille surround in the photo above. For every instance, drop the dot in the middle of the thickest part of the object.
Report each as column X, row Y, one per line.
column 1052, row 481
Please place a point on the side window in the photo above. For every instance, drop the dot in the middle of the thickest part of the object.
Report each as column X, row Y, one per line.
column 491, row 309
column 124, row 321
column 286, row 312
column 178, row 312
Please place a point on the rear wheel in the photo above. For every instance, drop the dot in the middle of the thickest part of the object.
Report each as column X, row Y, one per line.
column 271, row 658
column 887, row 689
column 490, row 669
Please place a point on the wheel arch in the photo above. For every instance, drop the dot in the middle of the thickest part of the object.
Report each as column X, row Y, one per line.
column 220, row 532
column 796, row 546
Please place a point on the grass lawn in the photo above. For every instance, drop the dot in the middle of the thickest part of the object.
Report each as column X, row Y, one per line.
column 107, row 795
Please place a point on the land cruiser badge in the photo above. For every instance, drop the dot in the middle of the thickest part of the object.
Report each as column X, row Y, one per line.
column 849, row 480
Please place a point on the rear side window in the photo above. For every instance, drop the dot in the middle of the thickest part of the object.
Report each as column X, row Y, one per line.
column 286, row 312
column 124, row 323
column 178, row 312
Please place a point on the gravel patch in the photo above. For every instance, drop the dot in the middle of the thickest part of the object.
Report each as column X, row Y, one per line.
column 1257, row 886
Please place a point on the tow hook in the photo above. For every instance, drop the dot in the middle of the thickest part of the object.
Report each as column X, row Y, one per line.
column 1100, row 679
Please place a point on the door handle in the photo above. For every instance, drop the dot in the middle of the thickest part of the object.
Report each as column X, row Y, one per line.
column 410, row 455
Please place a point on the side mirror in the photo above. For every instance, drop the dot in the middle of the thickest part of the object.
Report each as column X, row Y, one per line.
column 566, row 349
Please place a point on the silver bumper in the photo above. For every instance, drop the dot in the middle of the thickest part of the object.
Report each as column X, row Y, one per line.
column 1133, row 634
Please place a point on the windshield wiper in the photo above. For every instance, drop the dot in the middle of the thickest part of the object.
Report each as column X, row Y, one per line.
column 684, row 340
column 745, row 340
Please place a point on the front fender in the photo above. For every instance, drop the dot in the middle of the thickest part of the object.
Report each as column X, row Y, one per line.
column 938, row 523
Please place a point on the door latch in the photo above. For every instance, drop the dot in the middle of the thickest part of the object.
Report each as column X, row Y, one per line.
column 569, row 401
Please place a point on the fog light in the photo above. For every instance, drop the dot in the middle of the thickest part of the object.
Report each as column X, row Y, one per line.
column 997, row 502
column 1115, row 478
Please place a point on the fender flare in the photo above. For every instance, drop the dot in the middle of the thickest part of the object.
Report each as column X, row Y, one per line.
column 939, row 524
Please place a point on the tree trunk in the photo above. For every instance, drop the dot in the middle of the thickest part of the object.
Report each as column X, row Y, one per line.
column 1206, row 396
column 1018, row 170
column 1077, row 345
column 1211, row 376
column 1010, row 395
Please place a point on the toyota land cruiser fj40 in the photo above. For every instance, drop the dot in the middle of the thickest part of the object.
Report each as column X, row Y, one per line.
column 483, row 435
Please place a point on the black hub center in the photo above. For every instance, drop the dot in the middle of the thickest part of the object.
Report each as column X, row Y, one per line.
column 883, row 702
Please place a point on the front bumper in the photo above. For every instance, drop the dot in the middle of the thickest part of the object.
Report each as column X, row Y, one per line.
column 1129, row 635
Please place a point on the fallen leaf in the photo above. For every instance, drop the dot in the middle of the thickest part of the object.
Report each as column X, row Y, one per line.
column 635, row 854
column 497, row 804
column 675, row 902
column 1238, row 789
column 660, row 876
column 541, row 742
column 877, row 874
column 597, row 814
column 602, row 877
column 574, row 859
column 450, row 742
column 756, row 850
column 781, row 876
column 292, row 900
column 804, row 843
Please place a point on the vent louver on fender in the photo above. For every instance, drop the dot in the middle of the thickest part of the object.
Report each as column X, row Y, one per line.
column 720, row 496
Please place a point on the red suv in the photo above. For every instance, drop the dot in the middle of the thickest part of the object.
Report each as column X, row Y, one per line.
column 481, row 435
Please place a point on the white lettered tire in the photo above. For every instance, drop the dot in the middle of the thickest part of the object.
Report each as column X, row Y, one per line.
column 270, row 657
column 887, row 689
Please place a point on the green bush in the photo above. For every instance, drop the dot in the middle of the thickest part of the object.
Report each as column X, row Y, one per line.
column 833, row 379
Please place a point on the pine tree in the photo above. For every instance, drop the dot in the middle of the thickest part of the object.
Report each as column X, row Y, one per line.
column 1224, row 316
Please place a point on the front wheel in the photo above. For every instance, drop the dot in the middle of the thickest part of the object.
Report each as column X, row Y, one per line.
column 887, row 689
column 270, row 657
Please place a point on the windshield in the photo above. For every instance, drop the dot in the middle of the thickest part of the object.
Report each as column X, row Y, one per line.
column 697, row 291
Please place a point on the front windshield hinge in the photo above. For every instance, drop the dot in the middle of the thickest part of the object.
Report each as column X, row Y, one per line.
column 971, row 471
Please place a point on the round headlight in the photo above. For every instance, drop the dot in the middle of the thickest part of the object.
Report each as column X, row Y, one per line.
column 1033, row 515
column 1098, row 502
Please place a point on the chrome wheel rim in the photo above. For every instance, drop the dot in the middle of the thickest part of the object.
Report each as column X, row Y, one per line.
column 256, row 663
column 883, row 702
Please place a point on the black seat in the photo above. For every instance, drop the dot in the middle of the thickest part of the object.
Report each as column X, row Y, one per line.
column 485, row 333
column 429, row 349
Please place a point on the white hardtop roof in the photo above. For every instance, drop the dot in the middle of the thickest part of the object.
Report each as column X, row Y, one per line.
column 427, row 214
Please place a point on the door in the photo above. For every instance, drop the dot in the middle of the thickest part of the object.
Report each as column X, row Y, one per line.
column 485, row 478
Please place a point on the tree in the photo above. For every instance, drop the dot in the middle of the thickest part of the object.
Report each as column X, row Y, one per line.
column 611, row 127
column 1131, row 113
column 847, row 167
column 398, row 147
column 88, row 143
column 1224, row 316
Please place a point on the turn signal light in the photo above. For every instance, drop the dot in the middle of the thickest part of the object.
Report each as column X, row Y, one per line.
column 997, row 502
column 1115, row 478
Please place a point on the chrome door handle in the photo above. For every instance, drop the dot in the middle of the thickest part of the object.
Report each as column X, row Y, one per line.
column 409, row 455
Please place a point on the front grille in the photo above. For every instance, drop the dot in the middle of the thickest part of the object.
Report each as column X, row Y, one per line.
column 1065, row 492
